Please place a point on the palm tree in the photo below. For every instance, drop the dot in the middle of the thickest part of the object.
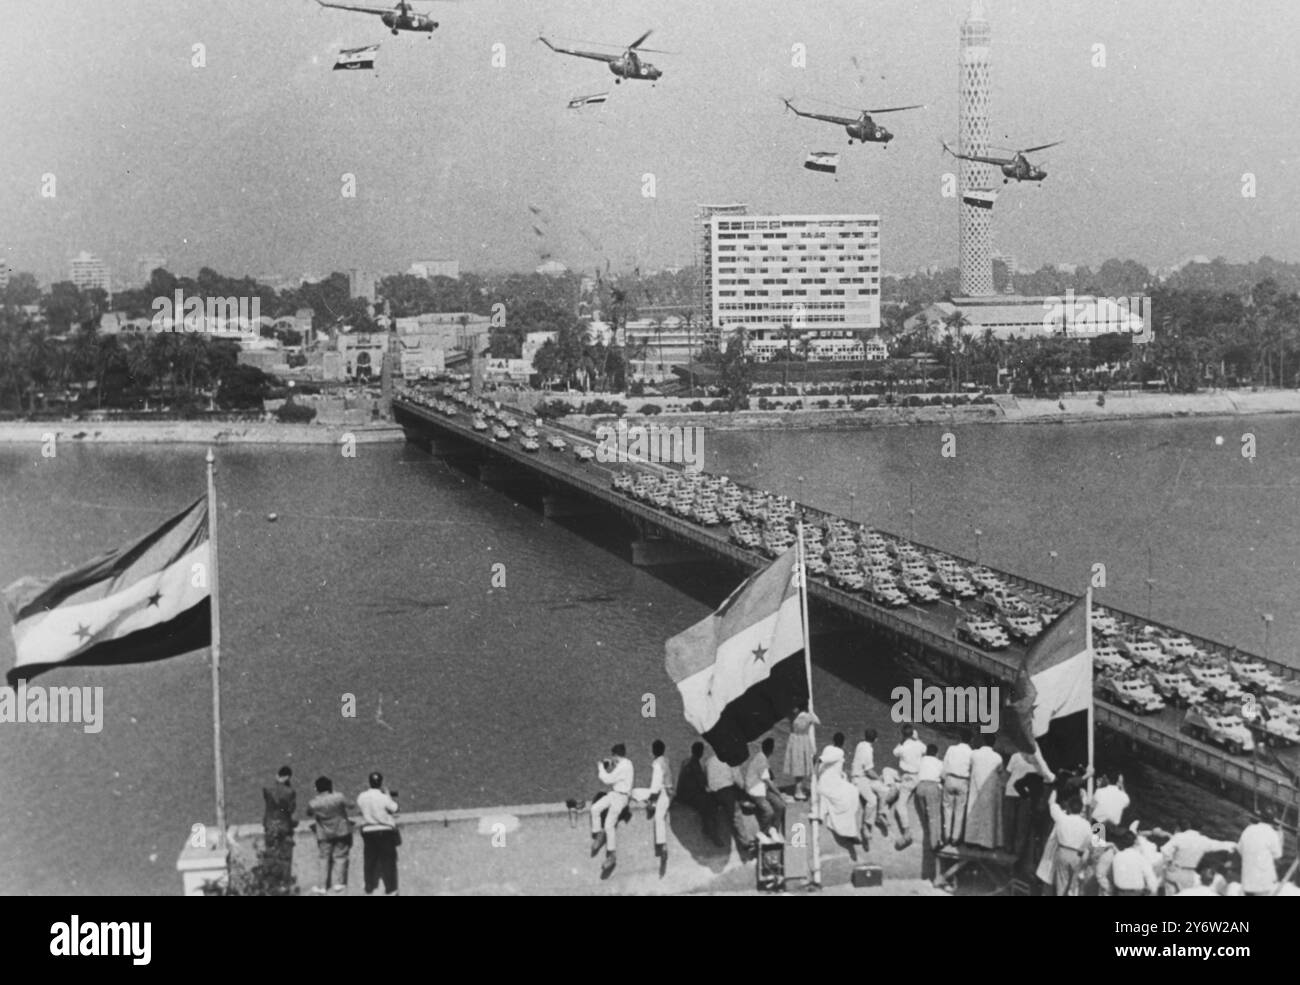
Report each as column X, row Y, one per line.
column 805, row 348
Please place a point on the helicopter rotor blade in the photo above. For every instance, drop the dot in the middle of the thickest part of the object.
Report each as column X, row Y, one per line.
column 638, row 42
column 1030, row 150
column 896, row 109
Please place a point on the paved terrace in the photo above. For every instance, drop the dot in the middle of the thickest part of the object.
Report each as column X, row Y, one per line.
column 536, row 850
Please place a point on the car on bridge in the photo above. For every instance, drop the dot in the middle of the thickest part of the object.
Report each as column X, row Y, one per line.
column 479, row 424
column 984, row 578
column 584, row 454
column 954, row 583
column 1144, row 652
column 1176, row 688
column 1022, row 629
column 984, row 633
column 1104, row 624
column 1254, row 672
column 1178, row 647
column 885, row 593
column 1273, row 731
column 847, row 578
column 1217, row 681
column 556, row 443
column 920, row 590
column 500, row 434
column 1219, row 728
column 530, row 445
column 1132, row 693
column 1107, row 658
column 1000, row 602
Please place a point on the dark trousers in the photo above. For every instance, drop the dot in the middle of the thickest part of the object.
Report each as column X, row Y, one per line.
column 380, row 859
column 727, row 802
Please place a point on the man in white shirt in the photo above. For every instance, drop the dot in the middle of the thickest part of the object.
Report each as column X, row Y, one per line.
column 1182, row 854
column 1130, row 871
column 768, row 805
column 1109, row 801
column 378, row 835
column 1073, row 836
column 1260, row 847
column 909, row 752
column 864, row 776
column 661, row 791
column 956, row 789
column 615, row 773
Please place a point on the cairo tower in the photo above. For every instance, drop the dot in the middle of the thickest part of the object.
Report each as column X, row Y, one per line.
column 973, row 134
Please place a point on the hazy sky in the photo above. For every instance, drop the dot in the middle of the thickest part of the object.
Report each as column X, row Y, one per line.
column 238, row 165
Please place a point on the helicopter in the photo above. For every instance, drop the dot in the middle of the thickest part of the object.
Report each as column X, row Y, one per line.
column 863, row 128
column 399, row 18
column 1017, row 167
column 628, row 65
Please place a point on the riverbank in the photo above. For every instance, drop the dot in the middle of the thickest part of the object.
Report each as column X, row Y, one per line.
column 538, row 850
column 1074, row 409
column 192, row 432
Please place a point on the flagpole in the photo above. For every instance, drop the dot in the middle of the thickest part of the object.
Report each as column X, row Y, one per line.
column 814, row 813
column 1087, row 636
column 215, row 608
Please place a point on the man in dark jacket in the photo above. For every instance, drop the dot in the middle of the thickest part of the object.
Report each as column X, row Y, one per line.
column 278, row 823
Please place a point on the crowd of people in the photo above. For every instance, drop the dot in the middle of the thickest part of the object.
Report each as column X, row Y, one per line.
column 333, row 821
column 1066, row 833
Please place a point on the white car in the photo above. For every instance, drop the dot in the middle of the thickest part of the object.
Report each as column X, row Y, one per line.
column 1109, row 659
column 583, row 454
column 1215, row 679
column 556, row 443
column 985, row 579
column 1256, row 673
column 1145, row 652
column 1131, row 693
column 1021, row 628
column 1176, row 646
column 1104, row 624
column 955, row 584
column 983, row 633
column 920, row 590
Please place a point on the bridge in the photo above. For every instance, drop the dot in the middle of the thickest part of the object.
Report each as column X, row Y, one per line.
column 571, row 488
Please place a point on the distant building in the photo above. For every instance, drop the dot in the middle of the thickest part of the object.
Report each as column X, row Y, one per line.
column 419, row 356
column 704, row 215
column 1017, row 316
column 361, row 284
column 4, row 274
column 88, row 272
column 552, row 268
column 436, row 268
column 817, row 276
column 460, row 330
column 362, row 355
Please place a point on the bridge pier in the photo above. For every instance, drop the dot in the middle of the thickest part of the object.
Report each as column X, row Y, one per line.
column 555, row 506
column 647, row 553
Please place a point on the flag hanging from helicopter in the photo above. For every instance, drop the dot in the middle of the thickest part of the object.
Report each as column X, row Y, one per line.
column 823, row 161
column 980, row 198
column 593, row 100
column 356, row 58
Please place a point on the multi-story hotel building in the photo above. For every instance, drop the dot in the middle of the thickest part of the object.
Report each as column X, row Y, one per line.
column 817, row 274
column 86, row 272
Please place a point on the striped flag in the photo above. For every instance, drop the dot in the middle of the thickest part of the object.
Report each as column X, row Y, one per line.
column 146, row 601
column 356, row 58
column 1053, row 691
column 741, row 669
column 593, row 100
column 824, row 161
column 980, row 198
